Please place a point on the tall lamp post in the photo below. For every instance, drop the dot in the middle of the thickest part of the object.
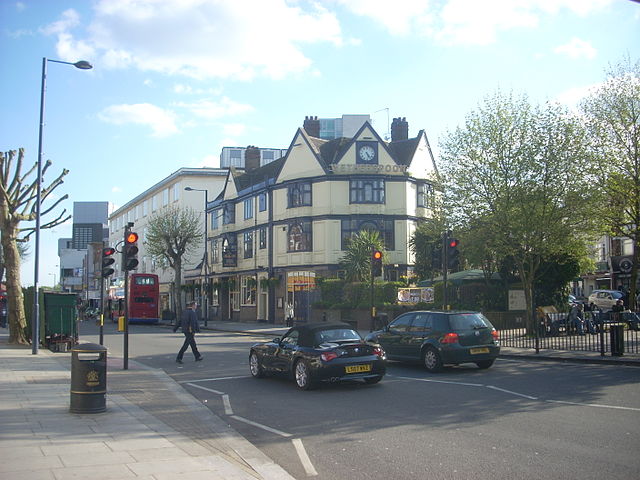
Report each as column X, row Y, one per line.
column 206, row 250
column 35, row 326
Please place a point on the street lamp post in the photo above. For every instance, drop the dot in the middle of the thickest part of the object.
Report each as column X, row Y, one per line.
column 35, row 326
column 206, row 250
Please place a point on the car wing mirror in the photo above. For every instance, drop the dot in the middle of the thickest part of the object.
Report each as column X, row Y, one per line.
column 277, row 340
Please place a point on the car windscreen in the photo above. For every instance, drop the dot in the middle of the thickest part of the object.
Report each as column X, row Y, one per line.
column 468, row 321
column 337, row 335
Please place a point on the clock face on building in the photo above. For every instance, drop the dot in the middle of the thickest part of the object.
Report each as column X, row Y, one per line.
column 367, row 153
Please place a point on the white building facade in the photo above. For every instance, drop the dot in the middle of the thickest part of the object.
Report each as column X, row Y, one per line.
column 170, row 192
column 275, row 229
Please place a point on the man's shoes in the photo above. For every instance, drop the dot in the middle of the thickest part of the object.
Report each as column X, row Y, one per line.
column 178, row 361
column 199, row 358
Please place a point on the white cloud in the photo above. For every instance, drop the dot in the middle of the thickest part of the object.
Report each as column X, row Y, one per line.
column 467, row 22
column 576, row 48
column 161, row 122
column 210, row 109
column 116, row 189
column 234, row 129
column 573, row 96
column 203, row 38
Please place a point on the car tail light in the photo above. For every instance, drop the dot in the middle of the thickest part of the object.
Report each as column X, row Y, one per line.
column 495, row 334
column 328, row 356
column 378, row 351
column 450, row 338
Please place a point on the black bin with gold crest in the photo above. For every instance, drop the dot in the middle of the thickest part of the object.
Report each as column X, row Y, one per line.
column 88, row 378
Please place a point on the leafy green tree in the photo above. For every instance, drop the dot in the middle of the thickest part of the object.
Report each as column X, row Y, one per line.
column 357, row 258
column 612, row 116
column 515, row 173
column 426, row 244
column 18, row 194
column 173, row 234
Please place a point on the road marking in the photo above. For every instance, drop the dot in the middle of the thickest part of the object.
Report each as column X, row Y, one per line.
column 512, row 393
column 443, row 381
column 264, row 427
column 595, row 405
column 217, row 392
column 214, row 379
column 227, row 405
column 304, row 458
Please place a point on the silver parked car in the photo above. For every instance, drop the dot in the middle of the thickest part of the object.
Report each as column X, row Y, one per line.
column 605, row 299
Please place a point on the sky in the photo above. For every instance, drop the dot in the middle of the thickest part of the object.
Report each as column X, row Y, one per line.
column 173, row 81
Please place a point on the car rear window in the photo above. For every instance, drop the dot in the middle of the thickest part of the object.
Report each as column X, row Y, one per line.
column 337, row 335
column 468, row 321
column 616, row 295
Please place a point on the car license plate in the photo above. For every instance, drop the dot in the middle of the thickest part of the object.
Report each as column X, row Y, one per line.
column 474, row 351
column 357, row 368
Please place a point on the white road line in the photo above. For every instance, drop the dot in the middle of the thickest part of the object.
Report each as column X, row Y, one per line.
column 512, row 393
column 217, row 392
column 213, row 379
column 595, row 405
column 304, row 458
column 443, row 381
column 227, row 405
column 264, row 427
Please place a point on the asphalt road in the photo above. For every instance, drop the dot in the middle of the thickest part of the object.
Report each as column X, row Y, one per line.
column 519, row 419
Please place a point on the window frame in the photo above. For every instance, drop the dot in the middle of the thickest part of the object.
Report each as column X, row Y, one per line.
column 371, row 190
column 300, row 236
column 299, row 194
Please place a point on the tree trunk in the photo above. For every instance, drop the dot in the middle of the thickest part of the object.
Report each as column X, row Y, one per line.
column 15, row 298
column 177, row 288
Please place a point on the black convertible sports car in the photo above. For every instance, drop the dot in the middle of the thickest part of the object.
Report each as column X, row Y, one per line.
column 321, row 352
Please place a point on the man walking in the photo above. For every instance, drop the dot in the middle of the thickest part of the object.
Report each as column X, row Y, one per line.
column 190, row 326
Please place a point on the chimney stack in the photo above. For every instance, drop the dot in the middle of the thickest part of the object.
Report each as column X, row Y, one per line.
column 251, row 158
column 312, row 126
column 399, row 129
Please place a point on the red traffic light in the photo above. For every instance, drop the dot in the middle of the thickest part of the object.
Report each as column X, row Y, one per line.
column 377, row 255
column 453, row 242
column 132, row 237
column 108, row 251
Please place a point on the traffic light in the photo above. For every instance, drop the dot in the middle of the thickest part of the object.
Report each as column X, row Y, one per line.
column 376, row 263
column 130, row 251
column 107, row 261
column 453, row 254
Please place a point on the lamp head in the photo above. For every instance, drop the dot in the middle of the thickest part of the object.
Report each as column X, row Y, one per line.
column 83, row 65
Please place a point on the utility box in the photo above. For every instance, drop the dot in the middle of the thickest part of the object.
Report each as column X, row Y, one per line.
column 60, row 320
column 88, row 378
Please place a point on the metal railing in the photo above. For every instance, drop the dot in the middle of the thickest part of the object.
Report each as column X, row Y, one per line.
column 605, row 333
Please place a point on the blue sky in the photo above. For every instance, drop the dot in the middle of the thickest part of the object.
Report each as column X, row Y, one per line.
column 176, row 80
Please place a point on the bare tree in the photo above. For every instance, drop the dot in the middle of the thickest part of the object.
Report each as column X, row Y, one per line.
column 172, row 234
column 17, row 205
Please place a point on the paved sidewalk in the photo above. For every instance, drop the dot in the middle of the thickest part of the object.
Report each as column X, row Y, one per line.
column 152, row 429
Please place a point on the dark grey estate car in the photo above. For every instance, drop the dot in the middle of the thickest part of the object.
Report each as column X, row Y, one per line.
column 436, row 338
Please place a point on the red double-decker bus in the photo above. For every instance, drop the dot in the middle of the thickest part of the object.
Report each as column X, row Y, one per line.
column 144, row 296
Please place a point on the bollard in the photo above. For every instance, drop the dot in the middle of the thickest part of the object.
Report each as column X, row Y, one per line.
column 88, row 378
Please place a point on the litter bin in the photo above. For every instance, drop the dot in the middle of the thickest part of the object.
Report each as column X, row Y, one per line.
column 88, row 378
column 616, row 333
